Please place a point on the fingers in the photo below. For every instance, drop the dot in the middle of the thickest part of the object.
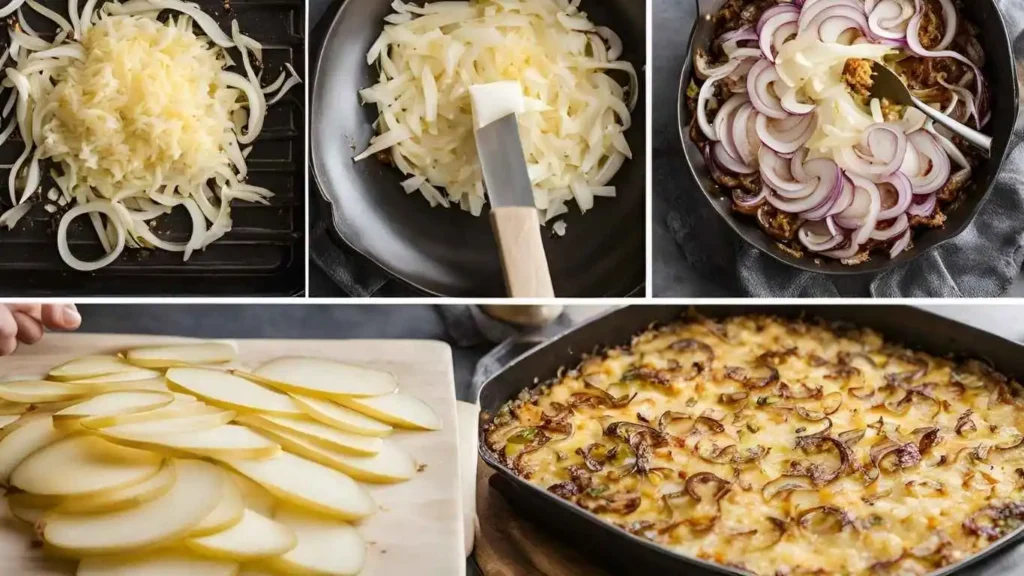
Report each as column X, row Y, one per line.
column 30, row 329
column 8, row 332
column 61, row 316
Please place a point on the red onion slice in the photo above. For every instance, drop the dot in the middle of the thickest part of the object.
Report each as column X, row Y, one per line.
column 790, row 103
column 817, row 237
column 938, row 168
column 729, row 162
column 867, row 223
column 825, row 208
column 744, row 134
column 922, row 205
column 889, row 19
column 829, row 181
column 759, row 82
column 899, row 226
column 723, row 122
column 887, row 148
column 706, row 91
column 771, row 24
column 783, row 136
column 914, row 41
column 843, row 202
column 900, row 185
column 900, row 245
column 776, row 173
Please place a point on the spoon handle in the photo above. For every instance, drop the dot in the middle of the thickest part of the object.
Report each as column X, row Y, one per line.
column 975, row 138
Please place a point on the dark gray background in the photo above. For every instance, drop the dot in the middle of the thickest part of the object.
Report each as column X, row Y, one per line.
column 672, row 275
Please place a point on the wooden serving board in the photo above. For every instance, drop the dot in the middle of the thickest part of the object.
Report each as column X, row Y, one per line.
column 418, row 528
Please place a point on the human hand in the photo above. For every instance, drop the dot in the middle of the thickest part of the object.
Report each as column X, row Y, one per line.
column 26, row 323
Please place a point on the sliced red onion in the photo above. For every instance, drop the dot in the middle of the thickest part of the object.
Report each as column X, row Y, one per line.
column 776, row 173
column 829, row 180
column 843, row 202
column 791, row 104
column 828, row 20
column 827, row 207
column 888, row 19
column 869, row 220
column 783, row 35
column 848, row 251
column 769, row 27
column 733, row 44
column 706, row 91
column 796, row 165
column 817, row 237
column 750, row 200
column 938, row 168
column 887, row 147
column 787, row 135
column 760, row 78
column 901, row 187
column 964, row 94
column 900, row 245
column 729, row 162
column 914, row 42
column 954, row 153
column 922, row 205
column 744, row 133
column 723, row 122
column 899, row 226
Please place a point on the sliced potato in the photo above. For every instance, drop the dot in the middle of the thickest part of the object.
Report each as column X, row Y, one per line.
column 121, row 498
column 254, row 537
column 83, row 464
column 132, row 374
column 324, row 378
column 13, row 408
column 399, row 410
column 308, row 484
column 35, row 433
column 29, row 508
column 315, row 432
column 196, row 492
column 90, row 367
column 31, row 391
column 340, row 417
column 183, row 406
column 325, row 545
column 8, row 419
column 227, row 441
column 227, row 513
column 256, row 497
column 202, row 420
column 182, row 354
column 171, row 562
column 230, row 391
column 388, row 466
column 104, row 406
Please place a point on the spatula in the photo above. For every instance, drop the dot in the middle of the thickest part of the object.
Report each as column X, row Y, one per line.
column 513, row 214
column 886, row 84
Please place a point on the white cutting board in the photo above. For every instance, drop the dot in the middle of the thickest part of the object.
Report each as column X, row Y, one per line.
column 418, row 529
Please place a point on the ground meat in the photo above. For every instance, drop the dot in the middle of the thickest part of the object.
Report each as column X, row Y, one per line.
column 932, row 26
column 936, row 220
column 857, row 75
column 778, row 225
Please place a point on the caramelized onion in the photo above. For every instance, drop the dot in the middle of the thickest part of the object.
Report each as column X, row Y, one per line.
column 823, row 520
column 729, row 454
column 807, row 393
column 861, row 393
column 1017, row 442
column 776, row 357
column 733, row 397
column 776, row 530
column 810, row 415
column 594, row 396
column 851, row 437
column 820, row 474
column 965, row 423
column 929, row 438
column 974, row 374
column 620, row 503
column 743, row 376
column 786, row 484
column 649, row 375
column 906, row 455
column 690, row 345
column 696, row 482
column 813, row 438
column 832, row 402
column 592, row 462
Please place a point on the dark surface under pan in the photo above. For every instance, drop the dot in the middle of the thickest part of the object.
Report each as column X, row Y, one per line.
column 627, row 554
column 1001, row 73
column 264, row 254
column 448, row 251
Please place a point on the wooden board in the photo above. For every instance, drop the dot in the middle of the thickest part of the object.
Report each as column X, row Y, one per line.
column 418, row 529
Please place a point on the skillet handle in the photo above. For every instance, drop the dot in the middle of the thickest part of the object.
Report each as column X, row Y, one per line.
column 522, row 253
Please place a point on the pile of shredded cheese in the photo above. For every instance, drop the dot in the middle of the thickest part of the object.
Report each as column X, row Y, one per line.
column 575, row 115
column 137, row 116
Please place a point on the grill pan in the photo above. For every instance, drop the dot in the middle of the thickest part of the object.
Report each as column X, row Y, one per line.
column 627, row 554
column 264, row 252
column 1001, row 73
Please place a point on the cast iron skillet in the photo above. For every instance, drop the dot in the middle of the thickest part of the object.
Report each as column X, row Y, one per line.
column 626, row 553
column 1001, row 73
column 448, row 252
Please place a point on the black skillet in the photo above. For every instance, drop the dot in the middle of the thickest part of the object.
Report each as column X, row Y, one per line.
column 1001, row 73
column 628, row 554
column 449, row 252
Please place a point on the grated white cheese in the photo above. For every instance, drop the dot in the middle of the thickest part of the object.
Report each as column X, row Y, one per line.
column 574, row 114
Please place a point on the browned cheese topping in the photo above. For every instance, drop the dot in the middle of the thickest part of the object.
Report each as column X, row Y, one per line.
column 779, row 446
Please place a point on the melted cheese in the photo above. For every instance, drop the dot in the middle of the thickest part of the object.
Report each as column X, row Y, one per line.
column 897, row 521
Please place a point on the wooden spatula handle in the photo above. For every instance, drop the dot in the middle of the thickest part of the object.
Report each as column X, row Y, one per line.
column 522, row 252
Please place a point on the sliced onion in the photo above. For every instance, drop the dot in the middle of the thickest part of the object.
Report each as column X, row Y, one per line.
column 867, row 224
column 923, row 205
column 744, row 134
column 105, row 207
column 939, row 168
column 817, row 238
column 760, row 78
column 703, row 98
column 829, row 182
column 899, row 184
column 786, row 135
column 723, row 122
column 728, row 162
column 771, row 25
column 899, row 226
column 914, row 42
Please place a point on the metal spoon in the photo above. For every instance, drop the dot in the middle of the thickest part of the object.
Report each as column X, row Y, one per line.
column 886, row 84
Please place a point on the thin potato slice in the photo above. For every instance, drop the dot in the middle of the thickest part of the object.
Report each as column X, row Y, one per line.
column 32, row 391
column 121, row 498
column 256, row 497
column 308, row 484
column 196, row 492
column 13, row 408
column 158, row 563
column 340, row 417
column 183, row 406
column 316, row 432
column 36, row 433
column 203, row 420
column 228, row 441
column 324, row 378
column 254, row 537
column 399, row 410
column 182, row 355
column 325, row 545
column 133, row 374
column 29, row 508
column 230, row 391
column 227, row 513
column 83, row 464
column 113, row 404
column 388, row 466
column 90, row 367
column 8, row 419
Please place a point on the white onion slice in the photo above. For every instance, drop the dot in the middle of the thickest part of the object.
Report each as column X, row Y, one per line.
column 101, row 206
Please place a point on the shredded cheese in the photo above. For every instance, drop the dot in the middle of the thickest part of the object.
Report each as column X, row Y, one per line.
column 574, row 114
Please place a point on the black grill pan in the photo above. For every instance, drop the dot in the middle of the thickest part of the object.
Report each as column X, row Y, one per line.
column 624, row 553
column 263, row 255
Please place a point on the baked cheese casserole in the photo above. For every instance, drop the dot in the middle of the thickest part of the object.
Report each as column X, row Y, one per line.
column 779, row 447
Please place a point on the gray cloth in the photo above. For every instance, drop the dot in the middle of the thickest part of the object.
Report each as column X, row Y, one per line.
column 697, row 254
